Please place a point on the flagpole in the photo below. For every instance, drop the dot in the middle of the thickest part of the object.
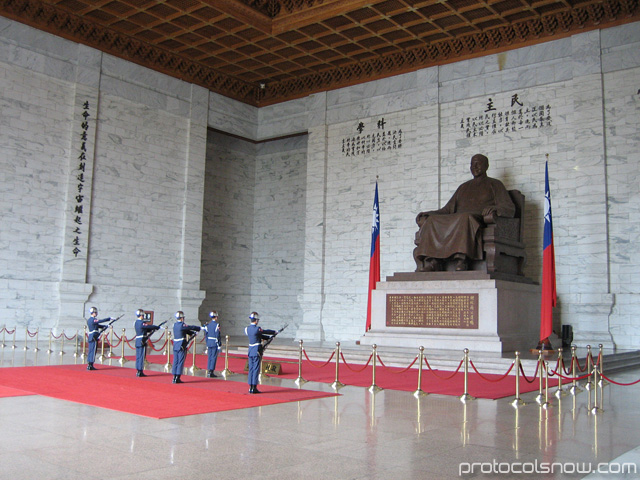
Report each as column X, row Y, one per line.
column 374, row 259
column 549, row 296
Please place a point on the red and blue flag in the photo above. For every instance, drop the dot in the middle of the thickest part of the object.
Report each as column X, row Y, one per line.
column 374, row 261
column 549, row 296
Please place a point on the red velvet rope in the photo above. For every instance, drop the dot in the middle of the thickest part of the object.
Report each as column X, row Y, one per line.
column 578, row 364
column 31, row 334
column 355, row 370
column 488, row 379
column 571, row 379
column 443, row 378
column 618, row 383
column 535, row 374
column 10, row 332
column 69, row 338
column 158, row 349
column 401, row 371
column 56, row 338
column 318, row 366
column 567, row 371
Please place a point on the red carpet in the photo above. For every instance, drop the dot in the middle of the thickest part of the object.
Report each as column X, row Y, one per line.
column 391, row 378
column 117, row 388
column 12, row 392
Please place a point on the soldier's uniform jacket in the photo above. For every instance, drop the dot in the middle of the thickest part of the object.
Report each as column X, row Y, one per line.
column 256, row 335
column 142, row 331
column 94, row 328
column 180, row 332
column 212, row 330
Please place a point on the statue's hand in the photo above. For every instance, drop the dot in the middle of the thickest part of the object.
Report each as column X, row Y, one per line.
column 489, row 210
column 421, row 218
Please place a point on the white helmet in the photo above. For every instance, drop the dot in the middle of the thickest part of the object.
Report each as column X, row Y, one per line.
column 254, row 316
column 140, row 312
column 179, row 315
column 213, row 314
column 93, row 310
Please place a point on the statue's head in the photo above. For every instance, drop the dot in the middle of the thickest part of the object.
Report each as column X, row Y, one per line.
column 479, row 165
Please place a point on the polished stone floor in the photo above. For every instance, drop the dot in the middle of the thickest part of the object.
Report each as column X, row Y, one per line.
column 357, row 435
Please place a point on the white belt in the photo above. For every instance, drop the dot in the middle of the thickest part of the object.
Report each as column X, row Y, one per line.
column 213, row 338
column 140, row 336
column 92, row 331
column 178, row 339
column 255, row 344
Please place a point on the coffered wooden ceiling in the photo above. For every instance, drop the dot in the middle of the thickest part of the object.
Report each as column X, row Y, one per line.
column 262, row 52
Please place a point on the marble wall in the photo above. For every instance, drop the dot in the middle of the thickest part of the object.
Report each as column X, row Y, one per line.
column 243, row 216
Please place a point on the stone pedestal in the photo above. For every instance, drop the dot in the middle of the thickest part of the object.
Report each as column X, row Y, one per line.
column 499, row 315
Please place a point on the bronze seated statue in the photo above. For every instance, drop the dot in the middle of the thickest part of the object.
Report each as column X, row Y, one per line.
column 480, row 228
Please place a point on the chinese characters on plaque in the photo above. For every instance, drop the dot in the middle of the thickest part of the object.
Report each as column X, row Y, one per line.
column 448, row 310
column 518, row 116
column 370, row 138
column 82, row 161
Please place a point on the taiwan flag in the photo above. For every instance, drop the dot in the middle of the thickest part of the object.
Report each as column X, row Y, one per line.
column 374, row 261
column 549, row 297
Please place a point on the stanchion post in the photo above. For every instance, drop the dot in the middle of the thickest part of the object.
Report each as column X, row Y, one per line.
column 465, row 397
column 75, row 353
column 374, row 388
column 102, row 357
column 13, row 345
column 545, row 404
column 589, row 385
column 337, row 385
column 226, row 372
column 559, row 393
column 419, row 392
column 84, row 342
column 540, row 396
column 50, row 335
column 26, row 336
column 193, row 368
column 517, row 402
column 602, row 382
column 4, row 330
column 300, row 381
column 574, row 389
column 167, row 366
column 62, row 343
column 597, row 408
column 123, row 340
column 37, row 334
column 110, row 354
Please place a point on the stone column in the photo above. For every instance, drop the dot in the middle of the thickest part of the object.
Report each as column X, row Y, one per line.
column 73, row 287
column 190, row 295
column 586, row 256
column 312, row 299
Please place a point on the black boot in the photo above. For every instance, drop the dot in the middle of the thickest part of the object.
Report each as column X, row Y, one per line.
column 208, row 375
column 90, row 366
column 176, row 379
column 140, row 373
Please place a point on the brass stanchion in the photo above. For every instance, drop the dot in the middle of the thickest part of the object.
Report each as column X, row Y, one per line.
column 545, row 404
column 110, row 354
column 337, row 385
column 574, row 389
column 374, row 388
column 589, row 385
column 75, row 353
column 4, row 330
column 226, row 372
column 102, row 356
column 559, row 393
column 602, row 382
column 517, row 402
column 84, row 342
column 167, row 366
column 37, row 333
column 50, row 335
column 26, row 336
column 540, row 396
column 419, row 392
column 465, row 397
column 193, row 368
column 597, row 408
column 123, row 340
column 13, row 345
column 61, row 343
column 300, row 381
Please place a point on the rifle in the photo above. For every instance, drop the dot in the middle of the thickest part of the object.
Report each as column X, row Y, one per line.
column 190, row 339
column 103, row 328
column 264, row 346
column 148, row 335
